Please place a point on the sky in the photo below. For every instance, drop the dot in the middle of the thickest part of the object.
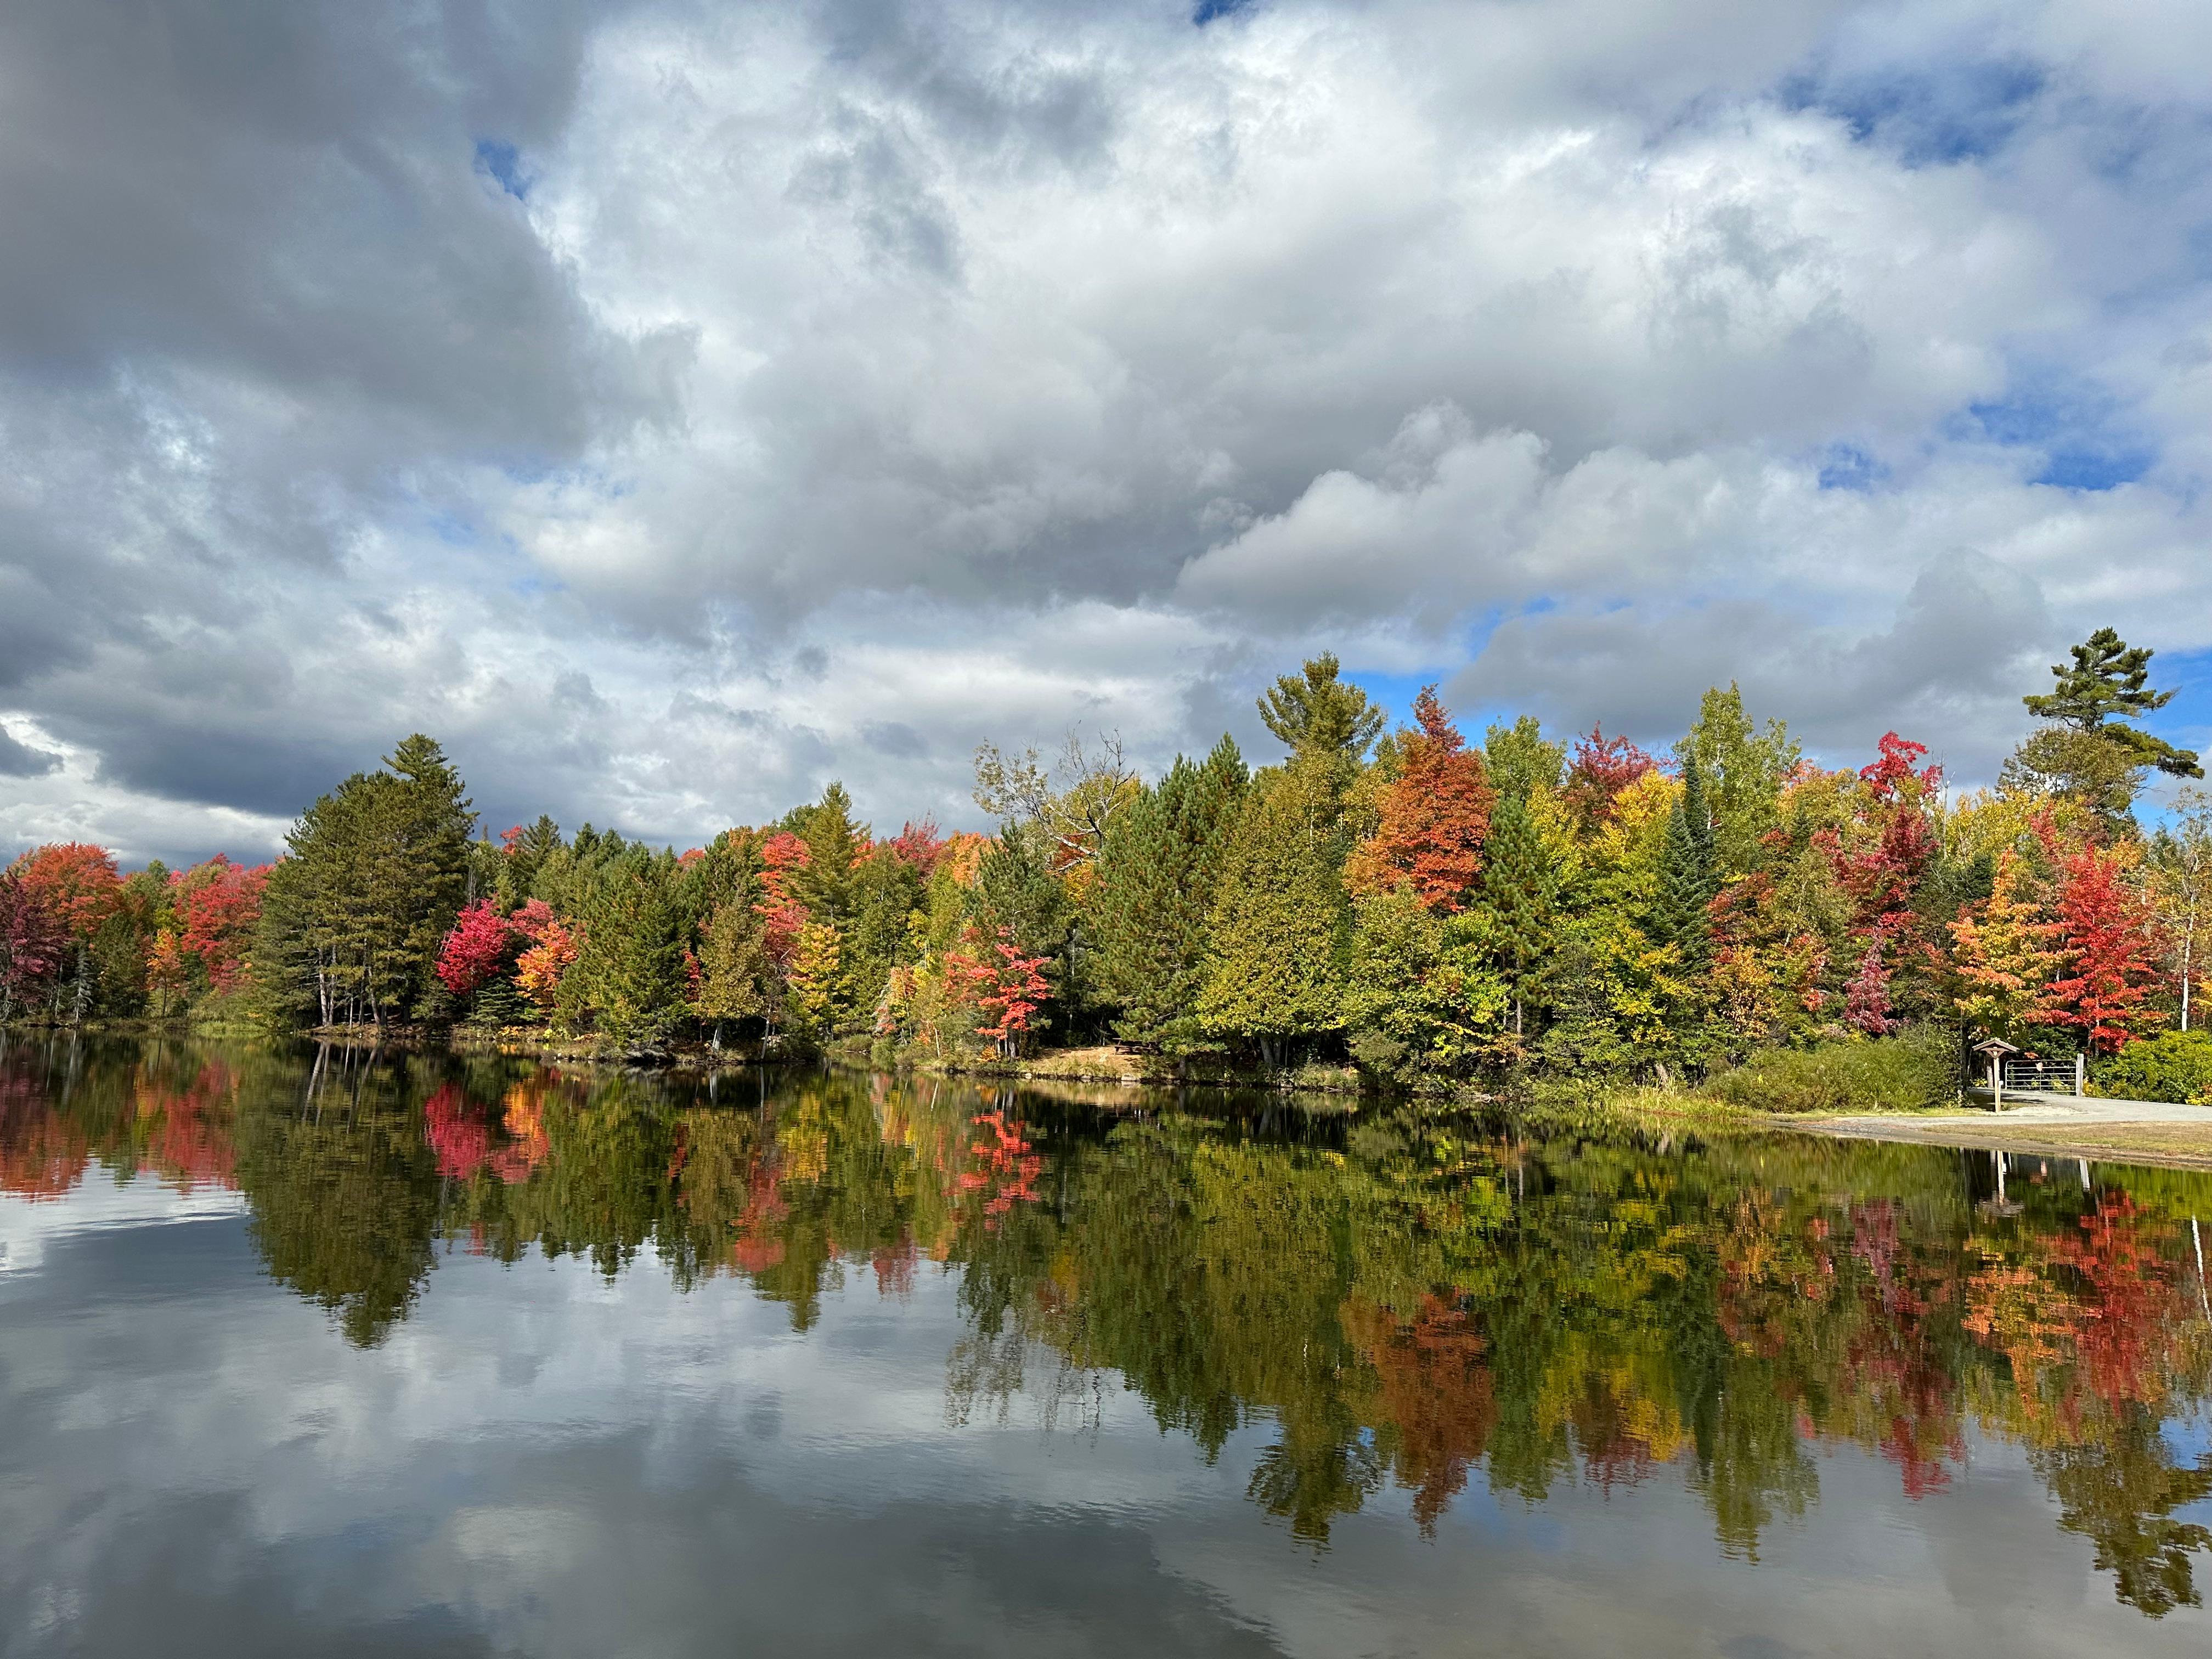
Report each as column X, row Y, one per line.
column 672, row 406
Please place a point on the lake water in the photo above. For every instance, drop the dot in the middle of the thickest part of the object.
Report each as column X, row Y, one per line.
column 337, row 1354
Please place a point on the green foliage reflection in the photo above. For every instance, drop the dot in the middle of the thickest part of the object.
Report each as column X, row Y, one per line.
column 1390, row 1305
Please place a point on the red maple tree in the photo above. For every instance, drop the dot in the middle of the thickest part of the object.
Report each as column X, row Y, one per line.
column 1866, row 998
column 2109, row 937
column 1598, row 771
column 918, row 845
column 783, row 855
column 476, row 948
column 32, row 939
column 76, row 882
column 1006, row 986
column 218, row 904
column 553, row 947
column 1893, row 776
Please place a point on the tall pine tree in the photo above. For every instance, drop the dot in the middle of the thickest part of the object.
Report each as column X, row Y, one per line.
column 374, row 873
column 1520, row 898
column 1281, row 926
column 1681, row 914
column 1148, row 909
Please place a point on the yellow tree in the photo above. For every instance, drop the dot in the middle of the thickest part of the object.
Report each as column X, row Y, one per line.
column 168, row 971
column 816, row 979
column 2004, row 956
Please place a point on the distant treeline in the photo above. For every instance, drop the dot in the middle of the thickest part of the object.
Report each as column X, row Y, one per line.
column 1429, row 908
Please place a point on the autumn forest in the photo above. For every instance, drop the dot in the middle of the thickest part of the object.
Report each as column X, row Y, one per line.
column 1415, row 908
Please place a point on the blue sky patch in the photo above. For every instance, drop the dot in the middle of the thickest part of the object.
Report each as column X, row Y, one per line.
column 2187, row 720
column 2085, row 443
column 503, row 162
column 1946, row 115
column 452, row 530
column 1846, row 467
column 1396, row 693
column 2095, row 468
column 1209, row 9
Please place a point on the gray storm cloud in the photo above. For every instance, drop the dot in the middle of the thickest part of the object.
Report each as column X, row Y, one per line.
column 673, row 405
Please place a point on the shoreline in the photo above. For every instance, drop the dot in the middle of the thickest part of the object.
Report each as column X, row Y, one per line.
column 2169, row 1134
column 2120, row 1131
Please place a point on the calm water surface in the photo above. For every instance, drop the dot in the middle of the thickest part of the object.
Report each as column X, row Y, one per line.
column 337, row 1354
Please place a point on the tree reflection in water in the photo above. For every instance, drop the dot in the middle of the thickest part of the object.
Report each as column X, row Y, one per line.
column 1397, row 1302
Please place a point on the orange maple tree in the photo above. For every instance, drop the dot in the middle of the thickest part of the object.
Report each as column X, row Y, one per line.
column 1434, row 818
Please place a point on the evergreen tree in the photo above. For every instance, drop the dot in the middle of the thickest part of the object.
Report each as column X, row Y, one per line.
column 1317, row 714
column 835, row 843
column 526, row 847
column 886, row 896
column 1587, row 1034
column 1681, row 915
column 727, row 870
column 434, row 822
column 738, row 979
column 2109, row 680
column 1274, row 967
column 2085, row 750
column 1420, row 989
column 629, row 979
column 1019, row 897
column 1520, row 898
column 1148, row 908
column 569, row 875
column 352, row 918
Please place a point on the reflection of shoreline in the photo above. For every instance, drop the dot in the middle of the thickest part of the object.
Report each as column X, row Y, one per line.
column 2163, row 1147
column 1398, row 1302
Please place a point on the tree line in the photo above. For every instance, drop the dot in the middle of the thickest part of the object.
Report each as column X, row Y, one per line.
column 1429, row 907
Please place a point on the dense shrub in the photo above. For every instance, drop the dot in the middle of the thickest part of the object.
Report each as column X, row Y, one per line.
column 2172, row 1066
column 1919, row 1068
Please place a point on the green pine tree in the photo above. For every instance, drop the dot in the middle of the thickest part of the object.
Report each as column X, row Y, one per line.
column 1688, row 878
column 738, row 980
column 834, row 840
column 1519, row 897
column 886, row 895
column 538, row 843
column 1281, row 926
column 1148, row 909
column 2109, row 680
column 1315, row 713
column 628, row 981
column 2080, row 750
column 375, row 872
column 1017, row 889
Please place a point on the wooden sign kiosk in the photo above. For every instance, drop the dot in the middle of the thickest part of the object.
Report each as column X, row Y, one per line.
column 1994, row 1050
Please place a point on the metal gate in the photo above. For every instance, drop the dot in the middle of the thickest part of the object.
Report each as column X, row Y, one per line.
column 2054, row 1076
